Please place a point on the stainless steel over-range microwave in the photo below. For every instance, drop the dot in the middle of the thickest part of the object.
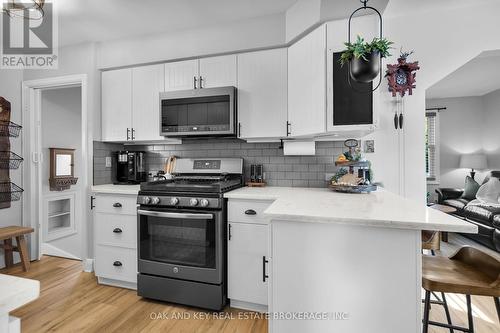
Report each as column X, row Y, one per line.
column 198, row 112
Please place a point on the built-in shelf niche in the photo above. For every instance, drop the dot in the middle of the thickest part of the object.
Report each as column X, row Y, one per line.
column 60, row 216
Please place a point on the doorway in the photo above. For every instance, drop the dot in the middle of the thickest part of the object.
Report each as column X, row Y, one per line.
column 55, row 116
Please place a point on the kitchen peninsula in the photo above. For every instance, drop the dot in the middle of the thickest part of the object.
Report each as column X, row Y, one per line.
column 342, row 255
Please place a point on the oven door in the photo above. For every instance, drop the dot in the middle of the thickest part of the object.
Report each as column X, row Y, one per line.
column 181, row 244
column 198, row 112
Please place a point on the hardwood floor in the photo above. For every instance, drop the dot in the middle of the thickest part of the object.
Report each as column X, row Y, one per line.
column 72, row 301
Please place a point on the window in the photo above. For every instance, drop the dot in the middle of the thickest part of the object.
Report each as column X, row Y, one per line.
column 431, row 147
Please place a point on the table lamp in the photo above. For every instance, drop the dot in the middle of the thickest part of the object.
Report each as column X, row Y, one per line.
column 473, row 162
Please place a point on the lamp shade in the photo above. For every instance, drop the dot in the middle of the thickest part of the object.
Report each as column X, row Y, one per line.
column 473, row 161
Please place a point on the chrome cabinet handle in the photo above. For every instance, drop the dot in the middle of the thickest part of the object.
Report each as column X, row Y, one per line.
column 117, row 205
column 201, row 82
column 117, row 263
column 250, row 212
column 133, row 134
column 288, row 128
column 194, row 82
column 239, row 130
column 229, row 232
column 192, row 216
column 128, row 133
column 117, row 230
column 264, row 274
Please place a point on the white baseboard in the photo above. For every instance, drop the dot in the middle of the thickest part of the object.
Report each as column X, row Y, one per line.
column 117, row 283
column 248, row 306
column 51, row 250
column 88, row 265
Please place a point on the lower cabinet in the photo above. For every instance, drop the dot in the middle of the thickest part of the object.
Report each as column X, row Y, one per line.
column 115, row 237
column 248, row 264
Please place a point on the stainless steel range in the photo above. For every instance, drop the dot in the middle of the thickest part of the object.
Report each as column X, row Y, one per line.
column 182, row 233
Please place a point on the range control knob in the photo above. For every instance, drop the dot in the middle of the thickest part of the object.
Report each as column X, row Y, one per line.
column 193, row 202
column 204, row 202
column 174, row 201
column 155, row 200
column 146, row 200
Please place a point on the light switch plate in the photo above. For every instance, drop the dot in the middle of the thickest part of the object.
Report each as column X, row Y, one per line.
column 108, row 161
column 369, row 146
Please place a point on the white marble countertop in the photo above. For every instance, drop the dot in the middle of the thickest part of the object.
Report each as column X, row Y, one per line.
column 16, row 292
column 116, row 189
column 379, row 209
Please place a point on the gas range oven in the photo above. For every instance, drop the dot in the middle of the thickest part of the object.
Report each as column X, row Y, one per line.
column 182, row 233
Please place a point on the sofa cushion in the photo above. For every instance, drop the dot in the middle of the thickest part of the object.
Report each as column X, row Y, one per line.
column 481, row 213
column 496, row 221
column 489, row 192
column 470, row 189
column 459, row 203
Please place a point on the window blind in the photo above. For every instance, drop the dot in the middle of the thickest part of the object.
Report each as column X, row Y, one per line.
column 431, row 142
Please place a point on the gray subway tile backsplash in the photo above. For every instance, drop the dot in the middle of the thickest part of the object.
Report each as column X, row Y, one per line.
column 303, row 171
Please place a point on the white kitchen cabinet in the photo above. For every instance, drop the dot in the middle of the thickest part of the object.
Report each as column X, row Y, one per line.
column 262, row 94
column 247, row 256
column 218, row 71
column 307, row 84
column 116, row 105
column 181, row 75
column 147, row 83
column 115, row 237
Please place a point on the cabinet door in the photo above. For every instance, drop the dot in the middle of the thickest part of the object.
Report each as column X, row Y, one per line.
column 218, row 71
column 116, row 104
column 147, row 83
column 246, row 249
column 262, row 93
column 307, row 84
column 181, row 75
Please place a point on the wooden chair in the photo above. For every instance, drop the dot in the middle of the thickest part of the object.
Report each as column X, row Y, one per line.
column 6, row 235
column 431, row 240
column 470, row 272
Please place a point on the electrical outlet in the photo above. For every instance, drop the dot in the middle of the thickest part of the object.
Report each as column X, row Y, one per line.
column 108, row 161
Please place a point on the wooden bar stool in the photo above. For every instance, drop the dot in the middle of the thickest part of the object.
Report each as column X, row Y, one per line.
column 6, row 235
column 470, row 272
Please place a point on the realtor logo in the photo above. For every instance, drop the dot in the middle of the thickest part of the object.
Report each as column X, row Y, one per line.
column 29, row 39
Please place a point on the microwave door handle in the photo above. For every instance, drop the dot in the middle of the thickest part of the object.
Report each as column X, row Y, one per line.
column 175, row 215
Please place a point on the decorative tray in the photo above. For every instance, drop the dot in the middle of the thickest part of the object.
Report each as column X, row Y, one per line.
column 353, row 188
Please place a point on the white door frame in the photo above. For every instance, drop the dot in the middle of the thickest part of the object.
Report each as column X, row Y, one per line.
column 31, row 149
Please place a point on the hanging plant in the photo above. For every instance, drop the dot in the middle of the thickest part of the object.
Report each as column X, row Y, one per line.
column 364, row 57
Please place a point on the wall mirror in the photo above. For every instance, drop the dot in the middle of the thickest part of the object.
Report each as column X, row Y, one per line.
column 62, row 168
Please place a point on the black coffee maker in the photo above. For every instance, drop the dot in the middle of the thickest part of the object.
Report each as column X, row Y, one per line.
column 130, row 167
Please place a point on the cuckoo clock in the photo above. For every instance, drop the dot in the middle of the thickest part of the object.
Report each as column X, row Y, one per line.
column 401, row 76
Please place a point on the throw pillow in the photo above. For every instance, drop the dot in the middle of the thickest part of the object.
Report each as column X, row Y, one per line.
column 489, row 192
column 470, row 189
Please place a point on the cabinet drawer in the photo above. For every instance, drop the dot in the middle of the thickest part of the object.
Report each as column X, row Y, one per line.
column 116, row 204
column 116, row 230
column 248, row 211
column 108, row 260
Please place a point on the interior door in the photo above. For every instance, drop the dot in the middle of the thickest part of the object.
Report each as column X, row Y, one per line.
column 307, row 84
column 116, row 104
column 218, row 71
column 262, row 93
column 181, row 75
column 147, row 83
column 246, row 249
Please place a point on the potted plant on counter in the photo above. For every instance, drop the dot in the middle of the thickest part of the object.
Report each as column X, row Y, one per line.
column 364, row 58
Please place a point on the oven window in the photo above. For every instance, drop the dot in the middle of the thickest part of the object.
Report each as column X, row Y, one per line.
column 196, row 114
column 186, row 242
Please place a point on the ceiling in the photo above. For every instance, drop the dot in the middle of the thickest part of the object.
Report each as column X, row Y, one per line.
column 478, row 77
column 99, row 20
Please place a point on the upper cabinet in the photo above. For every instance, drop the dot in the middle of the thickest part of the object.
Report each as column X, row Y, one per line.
column 350, row 107
column 117, row 105
column 217, row 72
column 147, row 83
column 181, row 75
column 131, row 104
column 262, row 94
column 307, row 84
column 201, row 73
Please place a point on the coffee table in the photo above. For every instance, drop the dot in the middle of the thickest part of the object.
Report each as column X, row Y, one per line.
column 447, row 210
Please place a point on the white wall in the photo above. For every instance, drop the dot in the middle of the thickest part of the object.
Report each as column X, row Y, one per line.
column 461, row 128
column 10, row 89
column 62, row 128
column 491, row 138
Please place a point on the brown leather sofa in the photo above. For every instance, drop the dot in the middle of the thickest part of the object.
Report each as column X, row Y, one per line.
column 486, row 218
